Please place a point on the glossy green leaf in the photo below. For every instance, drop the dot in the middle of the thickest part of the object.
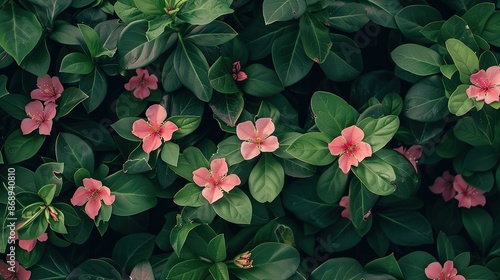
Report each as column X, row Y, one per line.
column 383, row 12
column 133, row 193
column 332, row 113
column 445, row 248
column 76, row 63
column 20, row 31
column 227, row 107
column 213, row 34
column 361, row 201
column 70, row 98
column 191, row 67
column 52, row 266
column 413, row 264
column 95, row 85
column 406, row 228
column 189, row 195
column 217, row 248
column 426, row 101
column 190, row 160
column 468, row 131
column 92, row 40
column 332, row 184
column 220, row 75
column 312, row 148
column 479, row 226
column 387, row 265
column 453, row 27
column 378, row 132
column 489, row 31
column 376, row 175
column 282, row 10
column 417, row 59
column 234, row 207
column 74, row 153
column 259, row 37
column 338, row 268
column 266, row 179
column 200, row 12
column 315, row 37
column 219, row 271
column 459, row 103
column 133, row 249
column 19, row 147
column 464, row 58
column 124, row 128
column 151, row 7
column 477, row 272
column 14, row 105
column 261, row 81
column 411, row 19
column 481, row 158
column 189, row 269
column 347, row 17
column 344, row 61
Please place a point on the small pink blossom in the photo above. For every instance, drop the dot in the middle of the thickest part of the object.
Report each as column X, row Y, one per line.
column 28, row 245
column 350, row 148
column 237, row 74
column 444, row 185
column 155, row 129
column 13, row 271
column 49, row 89
column 435, row 271
column 215, row 180
column 467, row 195
column 256, row 138
column 485, row 85
column 412, row 154
column 38, row 117
column 142, row 83
column 344, row 202
column 92, row 192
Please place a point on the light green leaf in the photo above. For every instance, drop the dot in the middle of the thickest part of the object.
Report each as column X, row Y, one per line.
column 332, row 113
column 282, row 10
column 378, row 132
column 234, row 207
column 312, row 148
column 266, row 179
column 376, row 175
column 200, row 12
column 464, row 58
column 417, row 59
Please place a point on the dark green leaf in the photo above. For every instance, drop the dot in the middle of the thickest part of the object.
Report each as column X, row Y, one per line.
column 74, row 153
column 70, row 98
column 283, row 10
column 312, row 148
column 133, row 249
column 227, row 107
column 234, row 207
column 213, row 34
column 19, row 147
column 261, row 81
column 338, row 268
column 406, row 228
column 315, row 37
column 332, row 113
column 266, row 179
column 76, row 63
column 200, row 12
column 95, row 85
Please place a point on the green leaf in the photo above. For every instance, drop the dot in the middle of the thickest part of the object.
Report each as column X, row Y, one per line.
column 95, row 85
column 227, row 107
column 347, row 17
column 96, row 134
column 411, row 19
column 378, row 132
column 234, row 207
column 332, row 113
column 189, row 195
column 219, row 271
column 230, row 149
column 266, row 179
column 133, row 249
column 200, row 12
column 70, row 98
column 74, row 153
column 454, row 28
column 19, row 147
column 51, row 266
column 387, row 265
column 282, row 10
column 477, row 272
column 382, row 12
column 47, row 193
column 14, row 105
column 464, row 58
column 169, row 78
column 190, row 160
column 414, row 264
column 315, row 36
column 38, row 60
column 270, row 261
column 220, row 75
column 489, row 32
column 217, row 248
column 479, row 226
column 445, row 248
column 170, row 153
column 134, row 50
column 124, row 128
column 19, row 31
column 289, row 58
column 76, row 63
column 360, row 204
column 344, row 61
column 376, row 175
column 406, row 228
column 459, row 103
column 49, row 173
column 151, row 7
column 261, row 81
column 189, row 269
column 92, row 40
column 417, row 59
column 94, row 268
column 468, row 131
column 426, row 101
column 213, row 34
column 480, row 158
column 332, row 184
column 478, row 15
column 407, row 180
column 338, row 268
column 191, row 67
column 133, row 193
column 312, row 148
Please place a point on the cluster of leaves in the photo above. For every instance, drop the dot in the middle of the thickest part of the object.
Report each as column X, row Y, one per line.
column 315, row 67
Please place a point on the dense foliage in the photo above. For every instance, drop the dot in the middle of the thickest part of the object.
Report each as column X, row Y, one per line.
column 250, row 139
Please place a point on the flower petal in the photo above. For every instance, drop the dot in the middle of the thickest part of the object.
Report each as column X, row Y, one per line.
column 151, row 143
column 28, row 125
column 473, row 91
column 434, row 271
column 264, row 126
column 151, row 82
column 49, row 112
column 43, row 237
column 141, row 129
column 141, row 92
column 211, row 194
column 156, row 114
column 493, row 75
column 479, row 78
column 219, row 168
column 337, row 146
column 92, row 184
column 229, row 182
column 45, row 127
column 353, row 135
column 200, row 176
column 58, row 87
column 463, row 200
column 459, row 184
column 27, row 245
column 270, row 144
column 133, row 83
column 80, row 196
column 22, row 273
column 362, row 150
column 106, row 196
column 249, row 150
column 346, row 161
column 246, row 131
column 492, row 95
column 39, row 94
column 92, row 207
column 34, row 108
column 477, row 199
column 167, row 129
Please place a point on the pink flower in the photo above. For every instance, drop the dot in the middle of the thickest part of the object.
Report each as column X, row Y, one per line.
column 215, row 180
column 39, row 117
column 485, row 85
column 49, row 89
column 141, row 83
column 237, row 74
column 344, row 202
column 350, row 148
column 13, row 271
column 435, row 271
column 155, row 129
column 28, row 245
column 467, row 195
column 412, row 154
column 444, row 185
column 92, row 192
column 256, row 138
